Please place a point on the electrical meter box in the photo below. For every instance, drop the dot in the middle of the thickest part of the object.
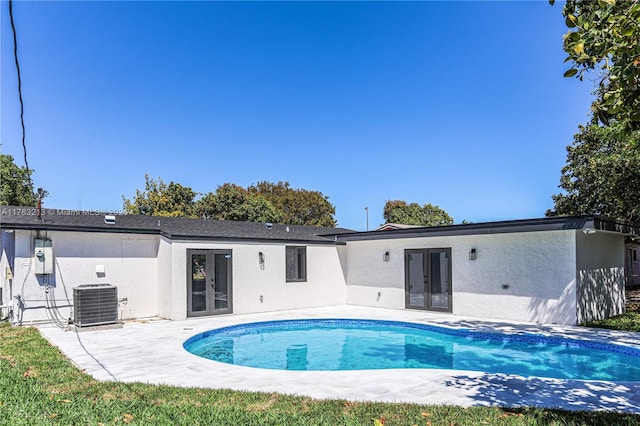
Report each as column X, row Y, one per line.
column 43, row 257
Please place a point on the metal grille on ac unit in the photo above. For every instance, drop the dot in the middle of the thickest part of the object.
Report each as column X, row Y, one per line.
column 95, row 304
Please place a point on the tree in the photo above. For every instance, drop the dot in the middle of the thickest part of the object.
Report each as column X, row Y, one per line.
column 263, row 202
column 604, row 36
column 16, row 188
column 160, row 199
column 602, row 174
column 298, row 206
column 398, row 211
column 232, row 202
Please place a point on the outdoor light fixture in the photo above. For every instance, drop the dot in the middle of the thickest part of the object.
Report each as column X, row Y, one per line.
column 261, row 260
column 100, row 270
column 385, row 257
column 472, row 254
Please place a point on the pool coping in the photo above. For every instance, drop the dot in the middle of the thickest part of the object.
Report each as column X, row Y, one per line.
column 152, row 352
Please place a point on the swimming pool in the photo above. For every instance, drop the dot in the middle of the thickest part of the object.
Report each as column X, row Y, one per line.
column 347, row 344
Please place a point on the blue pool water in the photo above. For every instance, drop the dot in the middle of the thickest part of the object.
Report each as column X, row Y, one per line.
column 345, row 344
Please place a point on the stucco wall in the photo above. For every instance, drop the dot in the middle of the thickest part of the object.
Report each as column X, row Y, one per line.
column 165, row 290
column 548, row 277
column 519, row 276
column 600, row 275
column 325, row 285
column 129, row 261
column 7, row 248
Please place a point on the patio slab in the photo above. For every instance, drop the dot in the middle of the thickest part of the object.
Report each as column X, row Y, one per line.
column 152, row 352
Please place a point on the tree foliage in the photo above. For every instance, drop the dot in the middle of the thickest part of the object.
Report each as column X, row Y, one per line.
column 232, row 202
column 298, row 206
column 602, row 174
column 398, row 211
column 161, row 199
column 16, row 188
column 604, row 37
column 262, row 202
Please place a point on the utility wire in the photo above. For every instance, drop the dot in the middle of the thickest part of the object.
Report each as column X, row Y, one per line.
column 15, row 55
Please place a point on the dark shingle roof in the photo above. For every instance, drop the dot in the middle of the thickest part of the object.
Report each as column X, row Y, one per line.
column 177, row 228
column 171, row 227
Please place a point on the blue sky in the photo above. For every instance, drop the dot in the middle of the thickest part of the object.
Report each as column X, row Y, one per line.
column 458, row 104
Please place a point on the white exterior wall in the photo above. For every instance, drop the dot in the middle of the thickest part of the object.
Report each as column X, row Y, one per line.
column 560, row 277
column 165, row 289
column 325, row 285
column 129, row 261
column 370, row 280
column 6, row 269
column 519, row 276
column 600, row 275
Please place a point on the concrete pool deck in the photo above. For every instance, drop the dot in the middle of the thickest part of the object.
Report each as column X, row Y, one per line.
column 152, row 352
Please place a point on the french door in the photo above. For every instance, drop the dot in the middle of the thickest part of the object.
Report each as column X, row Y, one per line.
column 209, row 282
column 428, row 279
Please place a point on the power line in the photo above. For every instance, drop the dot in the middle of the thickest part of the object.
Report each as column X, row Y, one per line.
column 15, row 55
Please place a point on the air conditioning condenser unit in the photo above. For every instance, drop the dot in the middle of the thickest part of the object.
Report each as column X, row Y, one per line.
column 95, row 304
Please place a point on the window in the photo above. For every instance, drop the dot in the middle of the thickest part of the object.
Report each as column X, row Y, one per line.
column 296, row 260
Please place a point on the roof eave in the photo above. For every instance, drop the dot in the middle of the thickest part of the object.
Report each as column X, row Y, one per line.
column 179, row 238
column 76, row 228
column 556, row 223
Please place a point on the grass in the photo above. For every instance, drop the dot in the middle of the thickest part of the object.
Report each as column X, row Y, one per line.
column 629, row 321
column 39, row 386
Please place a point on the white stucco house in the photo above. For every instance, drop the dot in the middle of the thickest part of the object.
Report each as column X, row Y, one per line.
column 562, row 270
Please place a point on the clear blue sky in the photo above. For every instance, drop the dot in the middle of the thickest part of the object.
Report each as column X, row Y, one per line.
column 458, row 104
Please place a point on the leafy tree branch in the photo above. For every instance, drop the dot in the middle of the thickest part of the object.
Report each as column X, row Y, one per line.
column 604, row 38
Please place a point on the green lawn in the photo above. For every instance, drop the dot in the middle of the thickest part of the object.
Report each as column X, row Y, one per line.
column 39, row 386
column 630, row 321
column 627, row 322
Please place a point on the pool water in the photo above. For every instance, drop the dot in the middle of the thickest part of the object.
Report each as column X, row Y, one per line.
column 343, row 344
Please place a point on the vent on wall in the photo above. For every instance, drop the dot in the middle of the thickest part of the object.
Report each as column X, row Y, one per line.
column 95, row 304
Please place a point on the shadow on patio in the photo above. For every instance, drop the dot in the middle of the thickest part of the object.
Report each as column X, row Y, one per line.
column 514, row 391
